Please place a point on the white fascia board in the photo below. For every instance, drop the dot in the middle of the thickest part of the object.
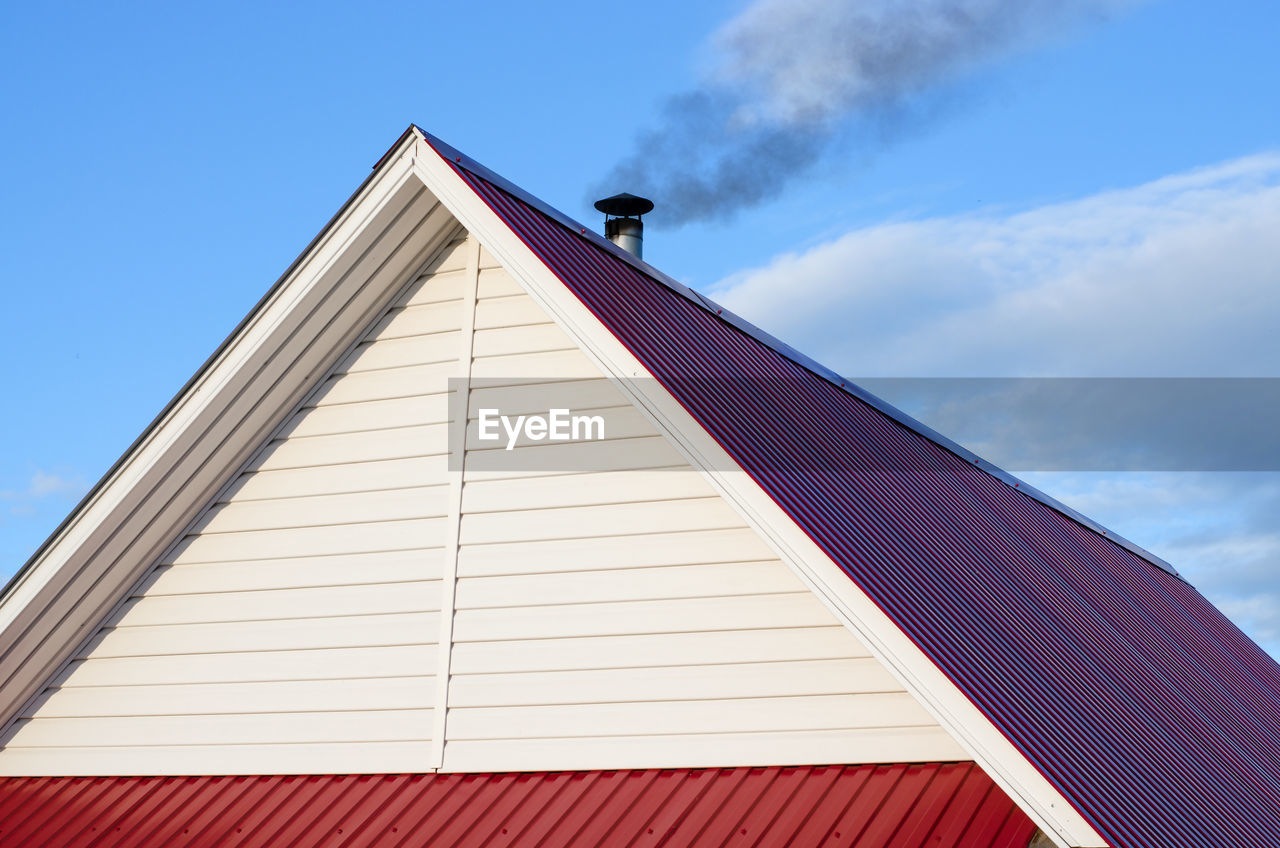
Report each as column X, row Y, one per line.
column 949, row 706
column 62, row 592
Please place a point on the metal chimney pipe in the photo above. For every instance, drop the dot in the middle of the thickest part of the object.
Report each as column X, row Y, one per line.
column 622, row 224
column 626, row 233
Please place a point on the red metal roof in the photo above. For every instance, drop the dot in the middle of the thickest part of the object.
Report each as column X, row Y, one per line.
column 951, row 805
column 1148, row 709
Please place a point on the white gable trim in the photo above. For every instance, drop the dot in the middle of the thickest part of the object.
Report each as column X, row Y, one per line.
column 364, row 256
column 918, row 674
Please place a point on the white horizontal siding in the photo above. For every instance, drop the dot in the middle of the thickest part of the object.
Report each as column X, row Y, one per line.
column 273, row 728
column 534, row 339
column 737, row 544
column 373, row 355
column 495, row 281
column 616, row 585
column 281, row 634
column 385, row 414
column 353, row 448
column 579, row 394
column 231, row 698
column 274, row 604
column 613, row 611
column 294, row 629
column 409, row 381
column 696, row 648
column 356, row 757
column 345, row 596
column 602, row 520
column 556, row 621
column 706, row 715
column 419, row 319
column 556, row 364
column 363, row 476
column 799, row 747
column 347, row 664
column 321, row 510
column 747, row 680
column 585, row 489
column 401, row 535
column 293, row 572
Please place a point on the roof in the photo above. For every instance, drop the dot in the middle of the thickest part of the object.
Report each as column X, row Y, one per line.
column 1148, row 710
column 904, row 806
column 1076, row 668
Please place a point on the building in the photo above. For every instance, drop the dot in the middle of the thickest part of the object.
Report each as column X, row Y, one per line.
column 309, row 606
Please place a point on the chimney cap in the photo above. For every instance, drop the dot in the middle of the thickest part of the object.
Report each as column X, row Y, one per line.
column 624, row 205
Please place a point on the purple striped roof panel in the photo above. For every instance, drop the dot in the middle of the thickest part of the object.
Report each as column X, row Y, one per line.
column 1144, row 705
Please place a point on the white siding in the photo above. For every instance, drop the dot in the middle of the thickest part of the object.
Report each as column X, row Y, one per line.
column 294, row 628
column 348, row 596
column 628, row 617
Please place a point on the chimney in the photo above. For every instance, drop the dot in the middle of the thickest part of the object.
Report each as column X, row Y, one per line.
column 622, row 224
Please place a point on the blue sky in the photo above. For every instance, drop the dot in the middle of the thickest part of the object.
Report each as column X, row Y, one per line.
column 1086, row 188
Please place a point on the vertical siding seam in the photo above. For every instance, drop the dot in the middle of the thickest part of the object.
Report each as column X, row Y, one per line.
column 458, row 442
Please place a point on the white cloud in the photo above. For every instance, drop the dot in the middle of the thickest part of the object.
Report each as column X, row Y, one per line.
column 1175, row 277
column 1218, row 530
column 812, row 61
column 29, row 508
column 43, row 485
column 1259, row 617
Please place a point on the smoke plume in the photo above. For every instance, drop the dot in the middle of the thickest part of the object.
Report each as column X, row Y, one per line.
column 789, row 75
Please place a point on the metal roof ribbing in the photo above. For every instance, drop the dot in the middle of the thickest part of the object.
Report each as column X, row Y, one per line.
column 1148, row 709
column 938, row 805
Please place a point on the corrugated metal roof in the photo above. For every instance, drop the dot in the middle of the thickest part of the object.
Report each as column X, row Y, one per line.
column 886, row 806
column 1148, row 709
column 728, row 316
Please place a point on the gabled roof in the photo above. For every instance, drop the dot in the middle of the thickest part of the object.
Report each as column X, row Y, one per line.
column 925, row 805
column 1103, row 694
column 1154, row 715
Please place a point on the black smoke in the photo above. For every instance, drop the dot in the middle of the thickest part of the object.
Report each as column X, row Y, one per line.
column 792, row 76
